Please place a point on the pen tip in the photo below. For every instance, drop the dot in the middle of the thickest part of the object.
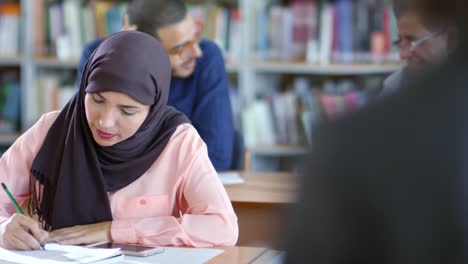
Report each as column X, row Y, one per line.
column 3, row 185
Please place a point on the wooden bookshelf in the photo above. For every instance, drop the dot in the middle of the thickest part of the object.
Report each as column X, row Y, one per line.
column 317, row 69
column 251, row 76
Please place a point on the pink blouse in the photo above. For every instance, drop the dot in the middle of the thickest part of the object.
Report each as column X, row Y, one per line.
column 178, row 201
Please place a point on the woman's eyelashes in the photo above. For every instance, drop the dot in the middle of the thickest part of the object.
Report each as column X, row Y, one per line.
column 97, row 100
column 127, row 113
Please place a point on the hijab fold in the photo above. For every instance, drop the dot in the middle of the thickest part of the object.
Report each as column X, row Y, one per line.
column 74, row 172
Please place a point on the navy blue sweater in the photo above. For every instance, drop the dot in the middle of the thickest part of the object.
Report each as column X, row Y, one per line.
column 204, row 98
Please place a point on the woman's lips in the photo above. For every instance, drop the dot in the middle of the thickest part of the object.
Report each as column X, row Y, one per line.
column 104, row 135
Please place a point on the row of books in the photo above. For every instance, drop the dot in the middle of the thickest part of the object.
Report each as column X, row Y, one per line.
column 289, row 117
column 9, row 29
column 222, row 25
column 327, row 31
column 53, row 92
column 64, row 27
column 10, row 106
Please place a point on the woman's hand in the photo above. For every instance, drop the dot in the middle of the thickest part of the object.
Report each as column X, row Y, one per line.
column 21, row 232
column 84, row 234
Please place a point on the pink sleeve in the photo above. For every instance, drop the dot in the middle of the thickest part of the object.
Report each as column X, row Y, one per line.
column 207, row 217
column 15, row 165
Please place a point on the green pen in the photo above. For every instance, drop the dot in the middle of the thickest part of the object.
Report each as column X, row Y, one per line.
column 18, row 209
column 13, row 201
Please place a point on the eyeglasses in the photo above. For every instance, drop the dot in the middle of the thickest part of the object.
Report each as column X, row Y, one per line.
column 416, row 43
column 181, row 49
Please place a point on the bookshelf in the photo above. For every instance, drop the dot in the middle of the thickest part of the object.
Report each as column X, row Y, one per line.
column 278, row 150
column 327, row 70
column 53, row 62
column 72, row 64
column 11, row 65
column 10, row 61
column 268, row 76
column 253, row 74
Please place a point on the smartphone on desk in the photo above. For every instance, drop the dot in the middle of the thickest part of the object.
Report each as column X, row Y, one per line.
column 130, row 249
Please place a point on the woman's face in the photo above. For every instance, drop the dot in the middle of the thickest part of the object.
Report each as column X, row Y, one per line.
column 113, row 117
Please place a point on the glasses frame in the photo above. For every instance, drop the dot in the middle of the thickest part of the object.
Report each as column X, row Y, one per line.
column 191, row 43
column 416, row 43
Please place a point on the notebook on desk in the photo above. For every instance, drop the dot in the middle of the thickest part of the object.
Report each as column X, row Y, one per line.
column 177, row 255
column 58, row 254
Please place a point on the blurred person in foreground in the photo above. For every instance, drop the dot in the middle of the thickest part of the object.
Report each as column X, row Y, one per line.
column 421, row 43
column 397, row 198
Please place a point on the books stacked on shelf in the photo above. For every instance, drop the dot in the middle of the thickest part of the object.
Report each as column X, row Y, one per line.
column 222, row 25
column 9, row 29
column 52, row 93
column 327, row 31
column 64, row 27
column 288, row 118
column 10, row 98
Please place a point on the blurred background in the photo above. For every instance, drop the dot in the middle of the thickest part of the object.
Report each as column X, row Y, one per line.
column 291, row 63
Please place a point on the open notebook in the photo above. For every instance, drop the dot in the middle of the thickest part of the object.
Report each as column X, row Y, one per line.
column 57, row 254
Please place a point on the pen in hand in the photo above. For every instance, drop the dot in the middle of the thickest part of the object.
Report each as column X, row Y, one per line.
column 15, row 204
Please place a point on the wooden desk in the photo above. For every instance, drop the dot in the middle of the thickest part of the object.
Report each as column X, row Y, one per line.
column 262, row 206
column 239, row 255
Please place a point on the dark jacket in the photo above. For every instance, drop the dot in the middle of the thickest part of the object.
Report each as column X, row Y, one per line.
column 387, row 184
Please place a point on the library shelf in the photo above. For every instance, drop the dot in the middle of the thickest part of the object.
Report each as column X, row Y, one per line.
column 53, row 62
column 318, row 69
column 10, row 61
column 278, row 150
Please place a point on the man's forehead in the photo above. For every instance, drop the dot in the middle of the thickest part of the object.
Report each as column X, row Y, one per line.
column 411, row 24
column 177, row 33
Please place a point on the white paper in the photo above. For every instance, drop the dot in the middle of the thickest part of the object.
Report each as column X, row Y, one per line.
column 172, row 255
column 57, row 254
column 230, row 178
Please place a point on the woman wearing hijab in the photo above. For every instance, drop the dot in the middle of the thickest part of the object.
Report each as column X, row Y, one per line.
column 116, row 164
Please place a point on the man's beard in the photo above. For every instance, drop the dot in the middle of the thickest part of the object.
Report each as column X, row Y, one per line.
column 185, row 67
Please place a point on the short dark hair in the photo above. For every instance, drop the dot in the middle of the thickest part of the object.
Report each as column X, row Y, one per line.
column 151, row 15
column 402, row 7
column 451, row 12
column 446, row 10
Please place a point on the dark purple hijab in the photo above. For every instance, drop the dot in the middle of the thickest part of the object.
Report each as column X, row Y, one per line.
column 75, row 172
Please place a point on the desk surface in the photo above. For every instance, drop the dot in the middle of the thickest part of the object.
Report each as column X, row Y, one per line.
column 241, row 255
column 264, row 187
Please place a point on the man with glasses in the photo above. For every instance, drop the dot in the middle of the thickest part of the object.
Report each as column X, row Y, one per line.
column 420, row 43
column 199, row 87
column 389, row 184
